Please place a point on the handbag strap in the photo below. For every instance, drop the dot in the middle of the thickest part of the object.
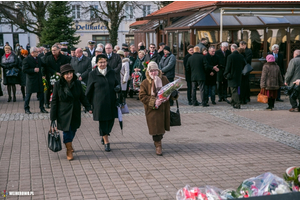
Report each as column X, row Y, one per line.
column 177, row 104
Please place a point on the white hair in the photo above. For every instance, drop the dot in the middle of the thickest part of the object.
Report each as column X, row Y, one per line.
column 100, row 45
column 32, row 49
column 275, row 46
column 224, row 44
column 234, row 46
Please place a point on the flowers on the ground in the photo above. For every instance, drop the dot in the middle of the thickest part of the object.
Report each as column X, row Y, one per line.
column 292, row 176
column 165, row 92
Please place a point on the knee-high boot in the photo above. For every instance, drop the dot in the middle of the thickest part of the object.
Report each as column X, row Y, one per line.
column 69, row 151
column 158, row 148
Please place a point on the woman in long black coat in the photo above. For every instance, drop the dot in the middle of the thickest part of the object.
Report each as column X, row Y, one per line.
column 66, row 105
column 9, row 61
column 22, row 75
column 101, row 93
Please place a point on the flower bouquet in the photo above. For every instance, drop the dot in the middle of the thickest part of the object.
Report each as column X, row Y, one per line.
column 145, row 64
column 202, row 193
column 136, row 80
column 292, row 176
column 165, row 92
column 83, row 84
column 54, row 78
column 45, row 84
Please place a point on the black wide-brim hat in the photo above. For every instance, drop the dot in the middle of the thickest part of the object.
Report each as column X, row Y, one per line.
column 101, row 56
column 66, row 68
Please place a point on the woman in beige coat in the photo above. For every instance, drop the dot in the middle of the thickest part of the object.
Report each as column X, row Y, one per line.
column 157, row 112
column 271, row 80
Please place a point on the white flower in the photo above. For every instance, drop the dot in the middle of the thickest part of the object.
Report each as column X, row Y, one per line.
column 281, row 189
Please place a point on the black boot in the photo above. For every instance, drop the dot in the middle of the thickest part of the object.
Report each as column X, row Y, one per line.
column 23, row 92
column 269, row 104
column 107, row 147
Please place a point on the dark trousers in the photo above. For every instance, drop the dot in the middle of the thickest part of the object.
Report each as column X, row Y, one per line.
column 48, row 93
column 105, row 127
column 235, row 101
column 69, row 135
column 210, row 89
column 294, row 102
column 157, row 138
column 222, row 89
column 171, row 100
column 195, row 84
column 271, row 102
column 278, row 94
column 245, row 88
column 189, row 91
column 27, row 100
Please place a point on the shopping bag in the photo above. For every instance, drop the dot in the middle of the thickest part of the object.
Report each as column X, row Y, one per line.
column 54, row 141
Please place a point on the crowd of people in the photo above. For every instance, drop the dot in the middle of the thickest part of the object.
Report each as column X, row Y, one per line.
column 100, row 77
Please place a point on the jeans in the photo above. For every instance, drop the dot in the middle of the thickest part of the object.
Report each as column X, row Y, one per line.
column 195, row 84
column 294, row 102
column 189, row 91
column 27, row 100
column 207, row 90
column 222, row 89
column 69, row 135
column 235, row 96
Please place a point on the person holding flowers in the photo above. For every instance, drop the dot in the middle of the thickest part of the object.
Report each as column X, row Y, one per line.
column 157, row 111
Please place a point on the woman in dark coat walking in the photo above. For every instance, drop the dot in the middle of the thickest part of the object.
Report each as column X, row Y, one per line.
column 271, row 80
column 9, row 61
column 66, row 106
column 101, row 93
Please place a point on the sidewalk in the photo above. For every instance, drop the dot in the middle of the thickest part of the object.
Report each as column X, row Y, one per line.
column 216, row 146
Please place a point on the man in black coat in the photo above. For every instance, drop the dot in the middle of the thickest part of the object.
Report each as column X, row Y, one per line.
column 161, row 49
column 152, row 55
column 32, row 67
column 82, row 65
column 212, row 62
column 51, row 64
column 245, row 85
column 233, row 74
column 222, row 54
column 91, row 49
column 197, row 65
column 279, row 60
column 190, row 50
column 114, row 61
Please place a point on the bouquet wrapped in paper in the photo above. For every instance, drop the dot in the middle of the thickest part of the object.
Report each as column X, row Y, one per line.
column 137, row 78
column 201, row 193
column 165, row 92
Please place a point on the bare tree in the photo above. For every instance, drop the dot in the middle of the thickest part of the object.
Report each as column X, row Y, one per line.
column 27, row 15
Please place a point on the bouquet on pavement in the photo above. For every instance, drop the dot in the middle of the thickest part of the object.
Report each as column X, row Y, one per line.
column 137, row 78
column 54, row 78
column 165, row 92
column 83, row 84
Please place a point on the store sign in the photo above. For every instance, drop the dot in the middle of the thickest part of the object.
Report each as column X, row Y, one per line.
column 89, row 27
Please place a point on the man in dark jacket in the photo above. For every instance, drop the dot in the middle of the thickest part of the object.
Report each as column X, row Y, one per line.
column 222, row 54
column 245, row 85
column 114, row 61
column 212, row 63
column 32, row 67
column 82, row 65
column 197, row 65
column 51, row 64
column 233, row 73
column 190, row 50
column 91, row 50
column 133, row 53
column 167, row 66
column 161, row 49
column 152, row 55
column 279, row 60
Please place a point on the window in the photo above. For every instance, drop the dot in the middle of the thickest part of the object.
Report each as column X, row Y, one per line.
column 146, row 10
column 129, row 39
column 129, row 12
column 93, row 12
column 76, row 11
column 170, row 41
column 1, row 40
column 101, row 39
column 255, row 40
column 211, row 36
column 180, row 45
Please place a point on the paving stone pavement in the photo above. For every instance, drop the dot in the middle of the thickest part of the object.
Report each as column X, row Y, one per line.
column 216, row 146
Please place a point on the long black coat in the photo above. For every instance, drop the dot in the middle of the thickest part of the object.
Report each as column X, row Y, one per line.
column 34, row 82
column 52, row 66
column 66, row 104
column 222, row 63
column 115, row 63
column 211, row 61
column 187, row 72
column 196, row 64
column 84, row 66
column 248, row 55
column 11, row 62
column 155, row 57
column 101, row 94
column 234, row 66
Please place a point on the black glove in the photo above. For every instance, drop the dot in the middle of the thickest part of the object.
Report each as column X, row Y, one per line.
column 117, row 89
column 174, row 94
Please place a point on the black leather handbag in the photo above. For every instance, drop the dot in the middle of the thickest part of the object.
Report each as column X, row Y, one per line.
column 175, row 117
column 247, row 69
column 54, row 141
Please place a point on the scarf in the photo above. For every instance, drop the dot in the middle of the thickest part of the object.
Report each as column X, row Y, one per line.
column 103, row 71
column 156, row 85
column 6, row 55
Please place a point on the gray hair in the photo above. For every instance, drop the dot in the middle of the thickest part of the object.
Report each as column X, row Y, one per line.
column 32, row 49
column 211, row 47
column 275, row 46
column 234, row 46
column 109, row 44
column 117, row 46
column 100, row 45
column 224, row 44
column 55, row 46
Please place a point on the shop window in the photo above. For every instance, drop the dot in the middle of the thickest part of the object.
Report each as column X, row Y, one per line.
column 101, row 39
column 76, row 11
column 129, row 39
column 92, row 13
column 255, row 41
column 211, row 36
column 277, row 36
column 180, row 45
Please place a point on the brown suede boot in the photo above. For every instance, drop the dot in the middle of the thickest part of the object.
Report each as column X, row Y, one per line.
column 158, row 148
column 69, row 151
